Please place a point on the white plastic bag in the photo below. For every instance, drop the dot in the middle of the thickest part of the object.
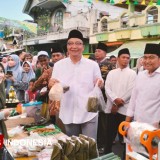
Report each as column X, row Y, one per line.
column 134, row 133
column 56, row 92
column 55, row 95
column 14, row 131
column 95, row 101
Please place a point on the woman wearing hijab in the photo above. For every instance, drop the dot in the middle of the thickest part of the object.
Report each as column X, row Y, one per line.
column 14, row 72
column 27, row 75
column 6, row 112
column 28, row 71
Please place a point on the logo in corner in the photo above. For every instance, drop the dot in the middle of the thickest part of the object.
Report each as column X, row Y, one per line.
column 1, row 141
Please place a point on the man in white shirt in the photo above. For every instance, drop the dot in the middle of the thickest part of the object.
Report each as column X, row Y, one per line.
column 80, row 74
column 118, row 87
column 144, row 105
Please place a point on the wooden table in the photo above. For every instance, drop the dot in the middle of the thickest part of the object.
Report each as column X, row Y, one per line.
column 11, row 123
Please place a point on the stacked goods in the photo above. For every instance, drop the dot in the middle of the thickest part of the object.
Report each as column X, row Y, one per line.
column 40, row 138
column 31, row 146
column 79, row 148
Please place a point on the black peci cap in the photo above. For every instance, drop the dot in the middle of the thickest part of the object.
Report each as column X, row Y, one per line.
column 57, row 48
column 75, row 34
column 123, row 51
column 102, row 46
column 152, row 48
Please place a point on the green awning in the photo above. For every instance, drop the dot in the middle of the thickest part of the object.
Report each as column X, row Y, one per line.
column 136, row 48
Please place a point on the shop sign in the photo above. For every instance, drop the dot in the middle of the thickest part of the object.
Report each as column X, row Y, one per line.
column 102, row 37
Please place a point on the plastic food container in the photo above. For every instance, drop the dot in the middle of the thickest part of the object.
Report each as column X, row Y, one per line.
column 32, row 107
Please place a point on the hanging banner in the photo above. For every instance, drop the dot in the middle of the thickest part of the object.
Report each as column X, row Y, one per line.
column 112, row 2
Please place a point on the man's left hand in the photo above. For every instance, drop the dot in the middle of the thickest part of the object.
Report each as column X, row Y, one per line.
column 100, row 83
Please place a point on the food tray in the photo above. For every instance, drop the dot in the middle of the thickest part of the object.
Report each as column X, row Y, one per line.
column 55, row 131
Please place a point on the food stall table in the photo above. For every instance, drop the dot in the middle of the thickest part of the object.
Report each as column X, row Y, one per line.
column 82, row 146
column 11, row 123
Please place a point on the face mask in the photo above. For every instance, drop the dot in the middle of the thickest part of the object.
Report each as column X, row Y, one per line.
column 11, row 63
column 1, row 77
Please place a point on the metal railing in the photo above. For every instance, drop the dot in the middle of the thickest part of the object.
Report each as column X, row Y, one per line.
column 43, row 35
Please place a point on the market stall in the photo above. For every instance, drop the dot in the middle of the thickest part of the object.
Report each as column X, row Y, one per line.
column 28, row 140
column 39, row 138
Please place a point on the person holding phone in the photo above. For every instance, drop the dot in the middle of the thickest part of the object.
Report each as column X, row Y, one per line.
column 13, row 71
column 9, row 74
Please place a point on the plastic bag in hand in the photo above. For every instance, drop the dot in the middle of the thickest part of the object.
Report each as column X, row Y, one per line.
column 56, row 92
column 95, row 100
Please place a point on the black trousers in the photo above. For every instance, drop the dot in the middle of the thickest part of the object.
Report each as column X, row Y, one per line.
column 112, row 122
column 101, row 129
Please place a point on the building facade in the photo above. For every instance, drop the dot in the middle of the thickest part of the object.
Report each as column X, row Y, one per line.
column 131, row 29
column 56, row 18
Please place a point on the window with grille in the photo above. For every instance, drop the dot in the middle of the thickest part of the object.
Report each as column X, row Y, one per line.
column 104, row 25
column 124, row 20
column 152, row 15
column 58, row 19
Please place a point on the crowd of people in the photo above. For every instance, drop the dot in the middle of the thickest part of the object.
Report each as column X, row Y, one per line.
column 26, row 74
column 129, row 95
